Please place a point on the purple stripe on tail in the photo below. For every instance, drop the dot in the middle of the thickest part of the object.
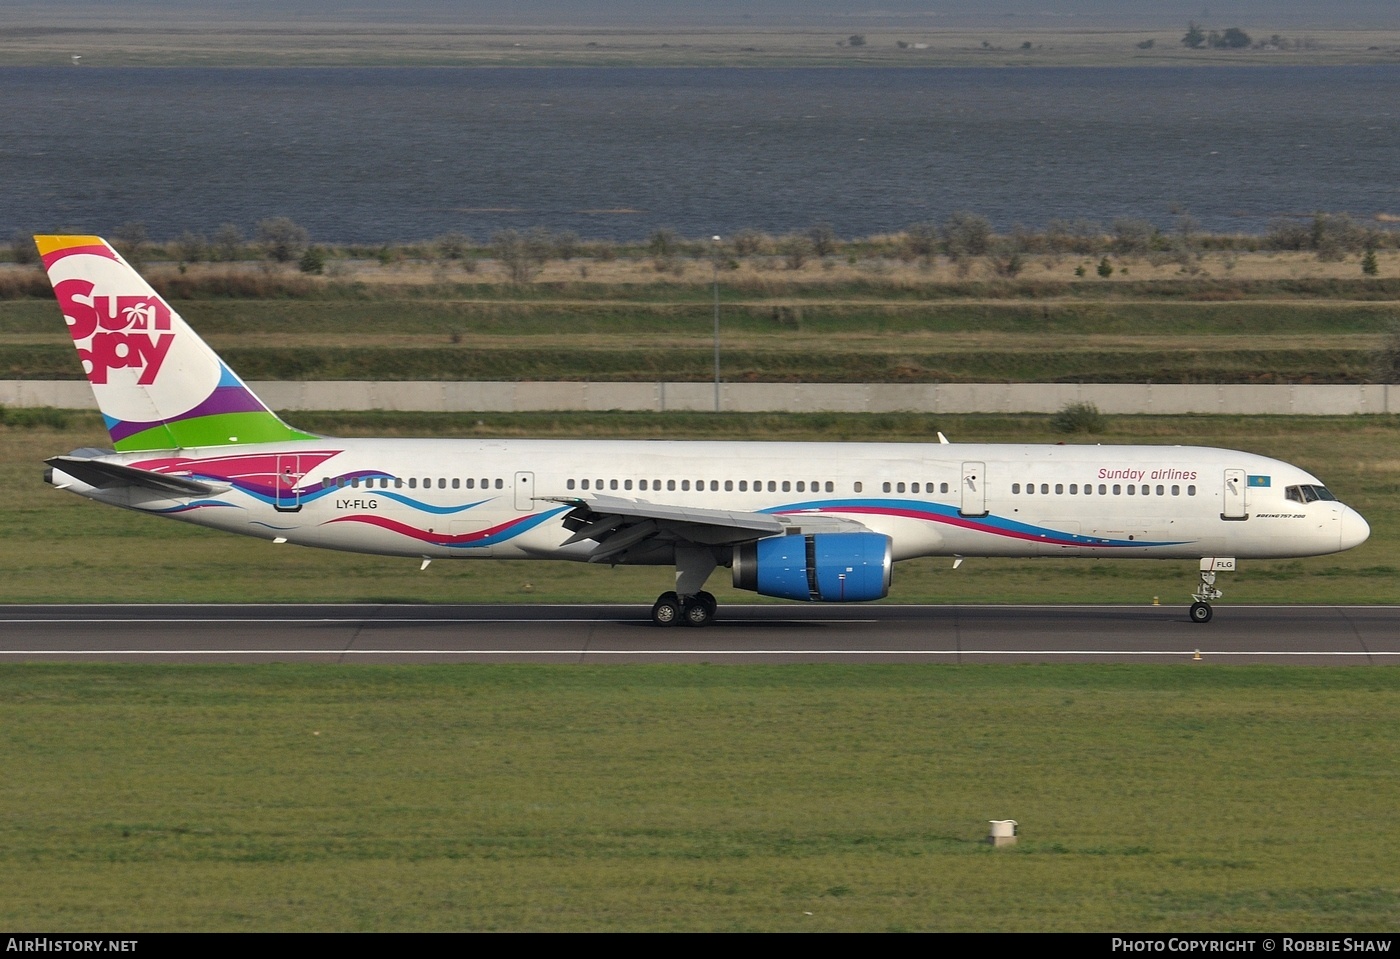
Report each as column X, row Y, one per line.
column 224, row 399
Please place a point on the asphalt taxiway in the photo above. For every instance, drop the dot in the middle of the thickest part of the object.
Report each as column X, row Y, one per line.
column 1304, row 635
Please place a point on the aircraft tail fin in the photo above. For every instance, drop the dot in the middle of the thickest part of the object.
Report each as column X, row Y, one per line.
column 158, row 385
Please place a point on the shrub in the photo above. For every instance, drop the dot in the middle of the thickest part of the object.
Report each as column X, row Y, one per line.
column 453, row 246
column 22, row 248
column 228, row 243
column 823, row 239
column 749, row 242
column 130, row 239
column 1078, row 418
column 282, row 239
column 921, row 240
column 795, row 250
column 966, row 234
column 518, row 255
column 313, row 260
column 1132, row 236
column 664, row 242
column 36, row 416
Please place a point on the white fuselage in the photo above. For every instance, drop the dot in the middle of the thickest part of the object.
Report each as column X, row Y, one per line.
column 496, row 498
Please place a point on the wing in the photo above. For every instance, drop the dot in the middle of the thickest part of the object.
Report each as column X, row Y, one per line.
column 112, row 475
column 630, row 528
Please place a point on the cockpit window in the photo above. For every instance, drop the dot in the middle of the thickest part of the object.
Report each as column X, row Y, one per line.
column 1308, row 493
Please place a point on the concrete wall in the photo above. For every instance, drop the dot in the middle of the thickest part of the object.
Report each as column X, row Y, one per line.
column 762, row 397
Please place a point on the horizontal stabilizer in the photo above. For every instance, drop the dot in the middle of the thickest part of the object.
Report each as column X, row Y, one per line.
column 105, row 475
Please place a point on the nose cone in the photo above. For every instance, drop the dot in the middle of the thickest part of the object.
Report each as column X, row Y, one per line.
column 1355, row 530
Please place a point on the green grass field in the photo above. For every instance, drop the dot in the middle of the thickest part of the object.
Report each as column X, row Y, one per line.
column 797, row 798
column 1191, row 797
column 775, row 327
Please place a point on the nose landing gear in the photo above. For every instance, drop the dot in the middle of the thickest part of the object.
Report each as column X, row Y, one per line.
column 1206, row 593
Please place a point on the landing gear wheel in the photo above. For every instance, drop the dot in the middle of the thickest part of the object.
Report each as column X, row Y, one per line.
column 708, row 599
column 698, row 612
column 1201, row 612
column 667, row 610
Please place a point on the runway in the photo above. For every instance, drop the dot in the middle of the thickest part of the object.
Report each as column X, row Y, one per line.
column 599, row 634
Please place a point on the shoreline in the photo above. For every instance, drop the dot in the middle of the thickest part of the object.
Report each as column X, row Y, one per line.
column 138, row 41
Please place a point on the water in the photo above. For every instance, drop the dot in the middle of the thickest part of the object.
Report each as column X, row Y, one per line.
column 369, row 155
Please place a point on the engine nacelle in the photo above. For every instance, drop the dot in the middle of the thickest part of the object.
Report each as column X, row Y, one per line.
column 830, row 567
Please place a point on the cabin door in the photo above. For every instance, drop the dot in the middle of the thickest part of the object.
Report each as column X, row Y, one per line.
column 974, row 489
column 1233, row 504
column 286, row 495
column 525, row 492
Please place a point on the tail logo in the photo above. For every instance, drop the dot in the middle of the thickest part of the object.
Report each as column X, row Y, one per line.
column 116, row 332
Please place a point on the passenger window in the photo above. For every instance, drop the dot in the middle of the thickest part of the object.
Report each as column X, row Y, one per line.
column 471, row 483
column 1015, row 487
column 787, row 486
column 398, row 483
column 801, row 486
column 1059, row 489
column 728, row 486
column 899, row 488
column 500, row 484
column 612, row 484
column 685, row 485
column 1045, row 488
column 642, row 485
column 671, row 485
column 569, row 484
column 1161, row 491
column 457, row 483
column 1130, row 489
column 1030, row 489
column 830, row 486
column 1176, row 490
column 1117, row 489
column 1191, row 491
column 714, row 486
column 743, row 486
column 1103, row 490
column 887, row 487
column 585, row 484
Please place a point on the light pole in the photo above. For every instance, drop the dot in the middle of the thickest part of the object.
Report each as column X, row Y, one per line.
column 716, row 264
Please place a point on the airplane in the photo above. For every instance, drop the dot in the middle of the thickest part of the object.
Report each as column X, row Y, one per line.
column 812, row 522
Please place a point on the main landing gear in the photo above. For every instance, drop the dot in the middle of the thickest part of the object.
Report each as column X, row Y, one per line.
column 697, row 610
